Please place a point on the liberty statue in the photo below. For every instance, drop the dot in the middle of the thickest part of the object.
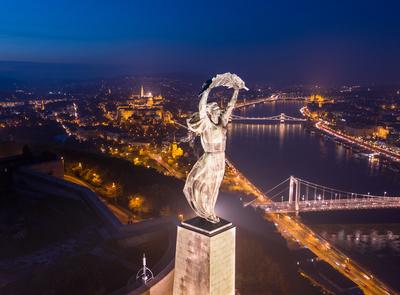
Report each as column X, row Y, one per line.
column 210, row 123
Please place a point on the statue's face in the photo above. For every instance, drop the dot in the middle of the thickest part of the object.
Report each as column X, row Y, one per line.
column 215, row 114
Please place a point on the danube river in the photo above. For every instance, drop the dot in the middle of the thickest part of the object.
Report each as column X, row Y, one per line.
column 270, row 153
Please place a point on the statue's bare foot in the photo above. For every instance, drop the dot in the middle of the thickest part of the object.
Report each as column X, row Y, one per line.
column 213, row 219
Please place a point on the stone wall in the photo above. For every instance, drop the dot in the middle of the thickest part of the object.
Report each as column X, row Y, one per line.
column 54, row 168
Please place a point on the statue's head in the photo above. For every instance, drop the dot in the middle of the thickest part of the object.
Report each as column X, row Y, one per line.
column 214, row 112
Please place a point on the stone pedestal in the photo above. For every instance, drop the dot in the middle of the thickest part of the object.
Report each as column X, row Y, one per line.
column 205, row 258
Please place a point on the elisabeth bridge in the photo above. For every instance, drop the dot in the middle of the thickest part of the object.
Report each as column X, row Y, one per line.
column 295, row 195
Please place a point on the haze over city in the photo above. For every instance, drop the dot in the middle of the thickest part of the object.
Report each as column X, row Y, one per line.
column 280, row 42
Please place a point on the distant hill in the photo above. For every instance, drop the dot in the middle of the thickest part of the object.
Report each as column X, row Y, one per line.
column 34, row 72
column 44, row 71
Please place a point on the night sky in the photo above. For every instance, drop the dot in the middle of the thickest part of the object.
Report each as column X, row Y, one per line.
column 279, row 41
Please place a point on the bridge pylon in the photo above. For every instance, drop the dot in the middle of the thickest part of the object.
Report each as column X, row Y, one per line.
column 282, row 118
column 291, row 187
column 297, row 196
column 294, row 192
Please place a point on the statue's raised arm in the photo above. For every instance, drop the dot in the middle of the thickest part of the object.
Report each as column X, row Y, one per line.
column 229, row 108
column 203, row 103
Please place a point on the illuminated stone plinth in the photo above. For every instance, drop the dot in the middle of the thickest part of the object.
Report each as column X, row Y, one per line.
column 205, row 258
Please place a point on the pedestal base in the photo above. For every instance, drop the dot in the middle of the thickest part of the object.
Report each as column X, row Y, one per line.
column 205, row 258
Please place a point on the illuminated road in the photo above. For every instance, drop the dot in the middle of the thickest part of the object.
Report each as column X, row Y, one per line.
column 373, row 148
column 323, row 126
column 294, row 228
column 305, row 236
column 165, row 165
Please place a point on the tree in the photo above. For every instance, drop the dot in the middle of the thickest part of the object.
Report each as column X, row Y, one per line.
column 136, row 203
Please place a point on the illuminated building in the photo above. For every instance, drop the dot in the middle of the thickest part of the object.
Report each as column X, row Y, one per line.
column 141, row 91
column 75, row 111
column 175, row 150
column 124, row 113
column 319, row 99
column 143, row 107
column 381, row 132
column 168, row 117
column 150, row 102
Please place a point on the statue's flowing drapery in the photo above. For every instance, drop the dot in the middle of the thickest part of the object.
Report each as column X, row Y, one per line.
column 204, row 180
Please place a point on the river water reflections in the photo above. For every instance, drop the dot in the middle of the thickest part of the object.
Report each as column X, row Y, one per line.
column 270, row 153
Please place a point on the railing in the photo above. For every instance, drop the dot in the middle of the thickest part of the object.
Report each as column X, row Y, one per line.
column 332, row 205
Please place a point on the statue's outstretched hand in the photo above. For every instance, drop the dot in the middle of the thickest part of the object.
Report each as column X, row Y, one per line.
column 228, row 80
column 238, row 83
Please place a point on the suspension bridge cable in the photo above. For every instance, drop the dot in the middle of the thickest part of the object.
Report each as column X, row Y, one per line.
column 321, row 187
column 270, row 190
column 279, row 193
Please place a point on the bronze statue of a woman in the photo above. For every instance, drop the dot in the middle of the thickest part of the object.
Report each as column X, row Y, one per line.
column 210, row 123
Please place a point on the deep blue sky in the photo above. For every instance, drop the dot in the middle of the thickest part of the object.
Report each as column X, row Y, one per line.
column 278, row 41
